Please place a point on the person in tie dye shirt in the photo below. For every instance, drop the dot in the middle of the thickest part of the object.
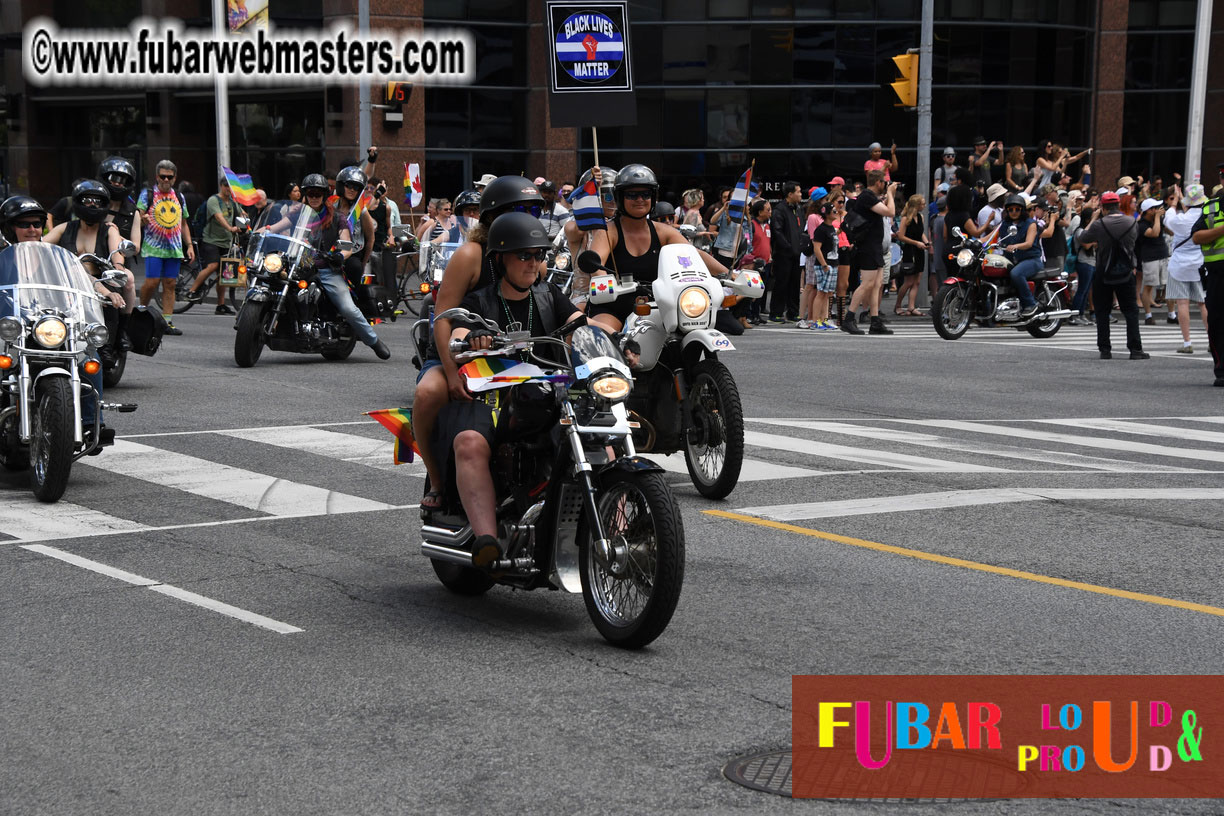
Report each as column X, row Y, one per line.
column 166, row 238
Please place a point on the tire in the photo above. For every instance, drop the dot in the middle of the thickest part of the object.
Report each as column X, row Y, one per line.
column 342, row 352
column 111, row 376
column 1054, row 302
column 639, row 515
column 714, row 449
column 461, row 580
column 410, row 293
column 52, row 441
column 951, row 312
column 249, row 342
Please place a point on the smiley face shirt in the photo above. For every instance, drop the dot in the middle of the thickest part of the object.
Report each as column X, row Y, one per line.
column 164, row 237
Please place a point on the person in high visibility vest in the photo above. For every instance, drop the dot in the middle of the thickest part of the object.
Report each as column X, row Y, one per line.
column 1208, row 233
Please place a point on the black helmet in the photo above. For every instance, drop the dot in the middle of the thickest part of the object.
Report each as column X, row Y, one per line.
column 635, row 175
column 505, row 191
column 608, row 174
column 664, row 210
column 83, row 193
column 15, row 207
column 1015, row 200
column 516, row 230
column 466, row 199
column 118, row 174
column 314, row 181
column 351, row 175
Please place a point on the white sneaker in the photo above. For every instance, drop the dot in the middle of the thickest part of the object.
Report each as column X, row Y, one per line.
column 803, row 324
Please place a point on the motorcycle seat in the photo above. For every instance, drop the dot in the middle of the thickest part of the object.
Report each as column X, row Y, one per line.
column 1046, row 274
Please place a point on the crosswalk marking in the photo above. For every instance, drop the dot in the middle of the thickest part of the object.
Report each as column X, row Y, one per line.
column 828, row 450
column 361, row 450
column 26, row 519
column 753, row 470
column 1142, row 429
column 245, row 488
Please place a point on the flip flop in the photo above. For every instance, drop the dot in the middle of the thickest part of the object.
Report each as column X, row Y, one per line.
column 432, row 500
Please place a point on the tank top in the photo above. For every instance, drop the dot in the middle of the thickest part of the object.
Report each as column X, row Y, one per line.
column 122, row 218
column 643, row 267
column 381, row 218
column 69, row 239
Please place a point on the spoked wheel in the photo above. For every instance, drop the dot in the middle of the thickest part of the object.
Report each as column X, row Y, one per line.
column 632, row 595
column 951, row 312
column 52, row 440
column 410, row 294
column 1051, row 301
column 340, row 352
column 249, row 339
column 714, row 447
column 186, row 277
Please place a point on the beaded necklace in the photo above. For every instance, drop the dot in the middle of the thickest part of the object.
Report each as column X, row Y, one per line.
column 511, row 323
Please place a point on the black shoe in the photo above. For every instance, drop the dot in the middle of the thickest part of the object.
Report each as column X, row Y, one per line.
column 1219, row 382
column 173, row 330
column 1140, row 355
column 485, row 552
column 1027, row 313
column 878, row 327
column 380, row 348
column 1106, row 355
column 224, row 309
column 1149, row 321
column 1171, row 319
column 106, row 438
column 850, row 325
column 194, row 297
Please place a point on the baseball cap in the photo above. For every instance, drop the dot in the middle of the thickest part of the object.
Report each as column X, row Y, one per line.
column 1196, row 195
column 546, row 186
column 948, row 151
column 484, row 180
column 943, row 187
column 977, row 140
column 1148, row 203
column 1123, row 191
column 836, row 180
column 1125, row 181
column 818, row 193
column 1109, row 197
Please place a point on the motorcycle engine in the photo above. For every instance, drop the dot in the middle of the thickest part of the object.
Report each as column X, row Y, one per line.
column 1008, row 310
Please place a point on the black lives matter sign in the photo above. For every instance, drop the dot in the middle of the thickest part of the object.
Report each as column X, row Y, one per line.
column 592, row 76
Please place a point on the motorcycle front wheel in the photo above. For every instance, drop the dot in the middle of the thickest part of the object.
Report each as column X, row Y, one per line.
column 631, row 598
column 249, row 341
column 111, row 376
column 1051, row 301
column 52, row 440
column 951, row 312
column 714, row 447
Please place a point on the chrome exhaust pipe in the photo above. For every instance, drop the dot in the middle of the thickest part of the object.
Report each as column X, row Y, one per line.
column 447, row 536
column 450, row 555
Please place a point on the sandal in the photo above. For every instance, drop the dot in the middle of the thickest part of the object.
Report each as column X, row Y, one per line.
column 432, row 500
column 915, row 313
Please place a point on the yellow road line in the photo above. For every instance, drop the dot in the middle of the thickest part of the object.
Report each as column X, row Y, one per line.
column 973, row 565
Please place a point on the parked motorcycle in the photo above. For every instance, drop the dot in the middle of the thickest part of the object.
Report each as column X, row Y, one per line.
column 285, row 307
column 684, row 398
column 577, row 509
column 983, row 289
column 50, row 317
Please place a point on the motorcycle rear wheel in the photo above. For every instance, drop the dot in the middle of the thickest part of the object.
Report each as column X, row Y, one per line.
column 340, row 352
column 111, row 376
column 52, row 440
column 714, row 450
column 1054, row 302
column 951, row 312
column 632, row 600
column 249, row 341
column 461, row 580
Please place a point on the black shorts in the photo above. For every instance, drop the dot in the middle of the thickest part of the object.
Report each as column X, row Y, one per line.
column 620, row 308
column 210, row 254
column 454, row 419
column 870, row 255
column 846, row 256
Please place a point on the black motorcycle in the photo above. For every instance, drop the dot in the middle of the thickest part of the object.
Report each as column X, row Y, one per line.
column 286, row 309
column 140, row 332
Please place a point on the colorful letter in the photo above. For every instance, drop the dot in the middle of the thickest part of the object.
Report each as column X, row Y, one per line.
column 827, row 723
column 1160, row 757
column 913, row 717
column 1045, row 718
column 949, row 728
column 986, row 717
column 1027, row 754
column 1072, row 722
column 1073, row 758
column 862, row 735
column 1101, row 737
column 1160, row 707
column 1049, row 758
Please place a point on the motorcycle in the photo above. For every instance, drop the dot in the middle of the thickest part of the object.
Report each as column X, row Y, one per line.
column 50, row 317
column 189, row 271
column 145, row 326
column 285, row 308
column 577, row 509
column 684, row 398
column 983, row 289
column 560, row 264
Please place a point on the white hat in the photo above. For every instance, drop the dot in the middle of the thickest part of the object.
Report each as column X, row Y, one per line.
column 484, row 180
column 948, row 151
column 995, row 191
column 1196, row 196
column 1028, row 199
column 1148, row 203
column 943, row 187
column 1123, row 191
column 1075, row 194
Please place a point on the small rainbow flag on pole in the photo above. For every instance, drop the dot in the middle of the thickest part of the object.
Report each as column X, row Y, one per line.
column 399, row 422
column 241, row 186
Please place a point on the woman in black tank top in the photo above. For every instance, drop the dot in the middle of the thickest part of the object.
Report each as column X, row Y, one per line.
column 643, row 267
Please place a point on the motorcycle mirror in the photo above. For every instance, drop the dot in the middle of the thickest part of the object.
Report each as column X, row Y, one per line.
column 957, row 232
column 588, row 262
column 1011, row 231
column 127, row 249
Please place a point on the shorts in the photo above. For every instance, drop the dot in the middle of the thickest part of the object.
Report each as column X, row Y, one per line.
column 1156, row 273
column 454, row 419
column 161, row 267
column 826, row 279
column 870, row 256
column 210, row 254
column 425, row 368
column 809, row 272
column 1181, row 290
column 846, row 256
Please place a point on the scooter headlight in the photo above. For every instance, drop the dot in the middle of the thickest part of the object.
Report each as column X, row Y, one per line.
column 96, row 334
column 10, row 328
column 273, row 263
column 694, row 302
column 612, row 387
column 965, row 257
column 50, row 332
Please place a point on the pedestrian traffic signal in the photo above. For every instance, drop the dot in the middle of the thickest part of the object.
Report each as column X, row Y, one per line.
column 397, row 94
column 907, row 86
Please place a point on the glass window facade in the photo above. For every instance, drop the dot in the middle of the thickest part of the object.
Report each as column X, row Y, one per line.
column 1159, row 61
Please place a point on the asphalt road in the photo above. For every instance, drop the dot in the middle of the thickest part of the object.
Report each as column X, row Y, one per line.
column 227, row 613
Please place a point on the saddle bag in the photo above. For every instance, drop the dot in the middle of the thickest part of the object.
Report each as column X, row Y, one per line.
column 145, row 329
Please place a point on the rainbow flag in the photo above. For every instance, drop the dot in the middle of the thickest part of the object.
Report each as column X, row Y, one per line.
column 484, row 373
column 354, row 217
column 241, row 186
column 739, row 197
column 399, row 422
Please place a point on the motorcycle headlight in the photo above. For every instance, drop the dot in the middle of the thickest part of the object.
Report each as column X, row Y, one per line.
column 612, row 387
column 10, row 328
column 561, row 262
column 694, row 302
column 96, row 334
column 964, row 257
column 50, row 332
column 273, row 263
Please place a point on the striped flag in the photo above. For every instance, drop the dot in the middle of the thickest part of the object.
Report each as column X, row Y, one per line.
column 363, row 201
column 588, row 211
column 241, row 186
column 739, row 197
column 399, row 422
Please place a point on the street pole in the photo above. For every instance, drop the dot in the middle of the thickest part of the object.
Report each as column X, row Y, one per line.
column 923, row 165
column 364, row 131
column 220, row 26
column 1198, row 94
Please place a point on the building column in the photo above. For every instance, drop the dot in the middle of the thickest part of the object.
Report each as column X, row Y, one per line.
column 1110, row 92
column 552, row 152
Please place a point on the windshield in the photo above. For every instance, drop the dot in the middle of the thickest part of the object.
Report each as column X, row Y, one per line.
column 589, row 343
column 289, row 227
column 37, row 277
column 439, row 255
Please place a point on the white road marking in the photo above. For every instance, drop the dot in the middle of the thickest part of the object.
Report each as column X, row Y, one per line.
column 232, row 430
column 245, row 488
column 753, row 470
column 971, row 498
column 1142, row 429
column 900, row 461
column 165, row 589
column 27, row 519
column 361, row 450
column 1078, row 460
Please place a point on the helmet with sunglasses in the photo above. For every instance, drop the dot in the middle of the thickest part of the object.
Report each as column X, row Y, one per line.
column 515, row 231
column 636, row 175
column 506, row 191
column 119, row 176
column 17, row 208
column 90, row 201
column 314, row 181
column 351, row 175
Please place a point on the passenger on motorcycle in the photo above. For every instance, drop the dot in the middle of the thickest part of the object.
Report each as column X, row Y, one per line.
column 468, row 269
column 517, row 245
column 331, row 262
column 580, row 240
column 467, row 211
column 1024, row 250
column 119, row 176
column 350, row 184
column 22, row 219
column 633, row 241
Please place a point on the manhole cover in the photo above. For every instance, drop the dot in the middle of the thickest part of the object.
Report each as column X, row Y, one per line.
column 769, row 772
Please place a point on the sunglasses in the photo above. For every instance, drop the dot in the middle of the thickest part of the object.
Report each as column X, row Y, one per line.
column 28, row 225
column 446, row 209
column 90, row 201
column 166, row 178
column 538, row 255
column 1015, row 208
column 532, row 209
column 314, row 193
column 638, row 195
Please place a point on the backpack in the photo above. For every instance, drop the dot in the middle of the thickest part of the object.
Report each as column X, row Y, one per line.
column 855, row 226
column 1115, row 265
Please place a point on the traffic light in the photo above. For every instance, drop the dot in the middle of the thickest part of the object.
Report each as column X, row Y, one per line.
column 397, row 94
column 906, row 87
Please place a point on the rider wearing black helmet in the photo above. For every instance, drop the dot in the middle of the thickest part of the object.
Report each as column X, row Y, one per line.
column 119, row 176
column 350, row 185
column 24, row 214
column 517, row 243
column 665, row 213
column 633, row 241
